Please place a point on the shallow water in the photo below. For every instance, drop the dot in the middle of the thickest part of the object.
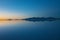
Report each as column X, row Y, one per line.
column 26, row 30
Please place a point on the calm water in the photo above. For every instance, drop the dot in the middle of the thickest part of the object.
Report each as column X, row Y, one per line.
column 25, row 30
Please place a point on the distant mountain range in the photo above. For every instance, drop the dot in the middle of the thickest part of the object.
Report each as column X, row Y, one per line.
column 34, row 19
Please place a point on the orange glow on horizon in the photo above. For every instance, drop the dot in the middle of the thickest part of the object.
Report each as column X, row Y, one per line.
column 12, row 17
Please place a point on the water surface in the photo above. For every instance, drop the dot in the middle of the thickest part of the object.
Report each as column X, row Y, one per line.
column 26, row 30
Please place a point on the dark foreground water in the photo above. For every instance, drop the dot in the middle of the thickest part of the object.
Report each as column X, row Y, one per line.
column 25, row 30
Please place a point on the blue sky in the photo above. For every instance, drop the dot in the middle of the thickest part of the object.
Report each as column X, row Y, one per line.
column 30, row 8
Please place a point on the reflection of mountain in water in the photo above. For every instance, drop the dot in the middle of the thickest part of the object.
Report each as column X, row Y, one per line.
column 37, row 19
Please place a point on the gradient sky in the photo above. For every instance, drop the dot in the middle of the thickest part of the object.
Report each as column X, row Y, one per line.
column 29, row 8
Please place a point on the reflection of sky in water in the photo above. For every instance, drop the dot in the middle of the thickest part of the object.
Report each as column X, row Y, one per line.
column 7, row 22
column 30, row 30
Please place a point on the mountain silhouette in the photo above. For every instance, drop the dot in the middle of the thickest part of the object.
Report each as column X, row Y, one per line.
column 37, row 19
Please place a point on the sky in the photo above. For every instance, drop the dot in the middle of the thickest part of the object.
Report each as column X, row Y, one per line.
column 29, row 8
